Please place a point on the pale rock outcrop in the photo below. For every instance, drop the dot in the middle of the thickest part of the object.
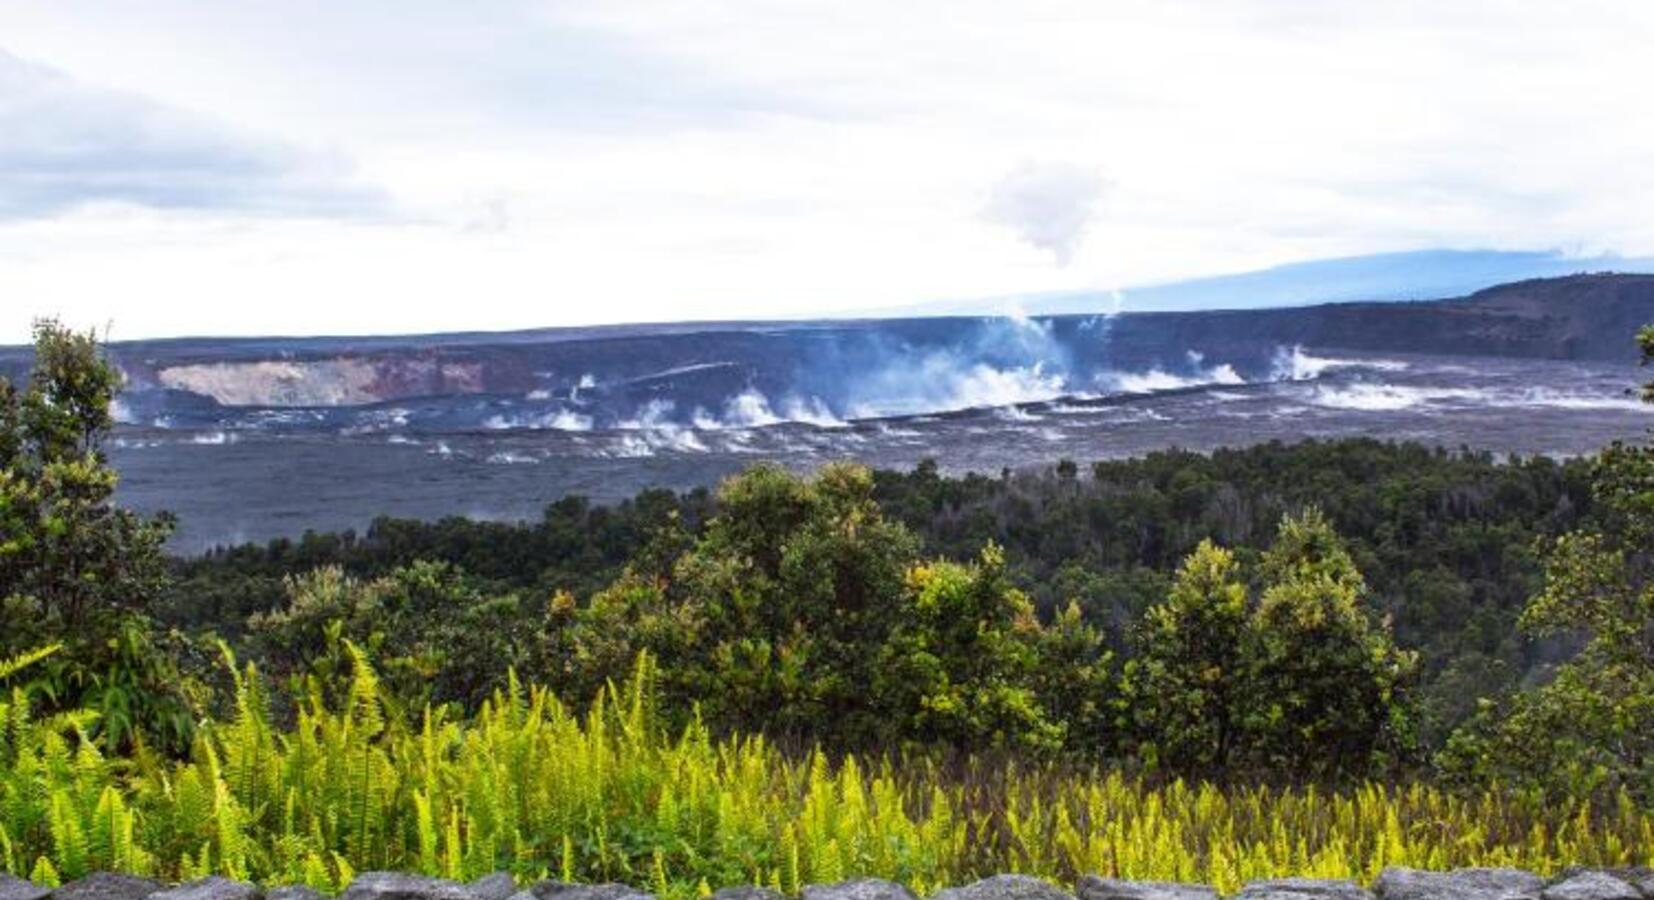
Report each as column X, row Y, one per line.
column 1591, row 885
column 107, row 886
column 1303, row 889
column 1006, row 887
column 1094, row 887
column 1463, row 884
column 860, row 889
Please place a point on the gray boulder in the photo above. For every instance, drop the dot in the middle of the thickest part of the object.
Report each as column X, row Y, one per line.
column 400, row 886
column 1006, row 887
column 1095, row 887
column 1592, row 886
column 1303, row 889
column 747, row 892
column 564, row 890
column 211, row 888
column 860, row 889
column 496, row 886
column 107, row 886
column 14, row 888
column 294, row 892
column 1463, row 884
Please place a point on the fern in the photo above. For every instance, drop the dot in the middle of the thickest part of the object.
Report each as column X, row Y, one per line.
column 529, row 785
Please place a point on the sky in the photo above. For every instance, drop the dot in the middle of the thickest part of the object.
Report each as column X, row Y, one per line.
column 311, row 166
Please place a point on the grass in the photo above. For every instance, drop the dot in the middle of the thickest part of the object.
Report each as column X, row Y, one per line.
column 531, row 786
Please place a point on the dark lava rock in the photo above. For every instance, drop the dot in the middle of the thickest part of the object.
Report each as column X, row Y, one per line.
column 861, row 889
column 400, row 886
column 14, row 888
column 497, row 886
column 748, row 892
column 1006, row 887
column 212, row 888
column 1304, row 889
column 1592, row 886
column 107, row 886
column 1464, row 884
column 294, row 892
column 563, row 890
column 1095, row 887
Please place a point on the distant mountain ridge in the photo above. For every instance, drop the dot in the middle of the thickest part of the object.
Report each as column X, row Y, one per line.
column 1588, row 316
column 1402, row 276
column 756, row 372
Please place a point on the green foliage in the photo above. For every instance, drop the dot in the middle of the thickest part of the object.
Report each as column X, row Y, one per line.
column 1592, row 726
column 438, row 638
column 1188, row 678
column 1323, row 682
column 1299, row 682
column 529, row 786
column 958, row 668
column 74, row 568
column 1444, row 541
column 798, row 582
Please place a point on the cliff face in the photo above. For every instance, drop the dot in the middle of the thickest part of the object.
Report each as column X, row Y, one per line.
column 1583, row 317
column 341, row 381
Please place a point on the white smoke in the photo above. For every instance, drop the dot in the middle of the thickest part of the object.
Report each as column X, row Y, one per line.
column 653, row 429
column 1390, row 397
column 1156, row 379
column 1297, row 365
column 558, row 420
column 1049, row 205
column 751, row 409
column 940, row 383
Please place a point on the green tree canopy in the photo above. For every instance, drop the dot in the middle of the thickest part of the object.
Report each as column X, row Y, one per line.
column 1187, row 679
column 1325, row 682
column 74, row 567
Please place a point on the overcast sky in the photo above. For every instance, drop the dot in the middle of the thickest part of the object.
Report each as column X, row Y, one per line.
column 315, row 166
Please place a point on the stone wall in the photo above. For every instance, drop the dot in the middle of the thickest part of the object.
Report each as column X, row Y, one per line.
column 1393, row 884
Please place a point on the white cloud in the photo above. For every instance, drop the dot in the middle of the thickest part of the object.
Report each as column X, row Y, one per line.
column 563, row 162
column 67, row 144
column 1049, row 205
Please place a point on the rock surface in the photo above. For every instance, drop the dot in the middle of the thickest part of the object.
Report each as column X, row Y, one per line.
column 1576, row 883
column 1006, row 887
column 1592, row 886
column 14, row 888
column 498, row 886
column 212, row 888
column 861, row 889
column 294, row 892
column 399, row 886
column 1094, row 887
column 748, row 892
column 563, row 890
column 1303, row 889
column 107, row 886
column 1463, row 884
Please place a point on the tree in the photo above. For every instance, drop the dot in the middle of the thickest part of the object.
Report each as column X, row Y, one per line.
column 1591, row 727
column 75, row 568
column 1186, row 682
column 773, row 617
column 959, row 667
column 1076, row 680
column 1325, row 684
column 433, row 636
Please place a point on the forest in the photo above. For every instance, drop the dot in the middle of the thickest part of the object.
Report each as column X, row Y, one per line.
column 1320, row 658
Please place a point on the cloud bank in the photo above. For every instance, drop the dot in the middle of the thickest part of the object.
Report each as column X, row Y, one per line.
column 66, row 144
